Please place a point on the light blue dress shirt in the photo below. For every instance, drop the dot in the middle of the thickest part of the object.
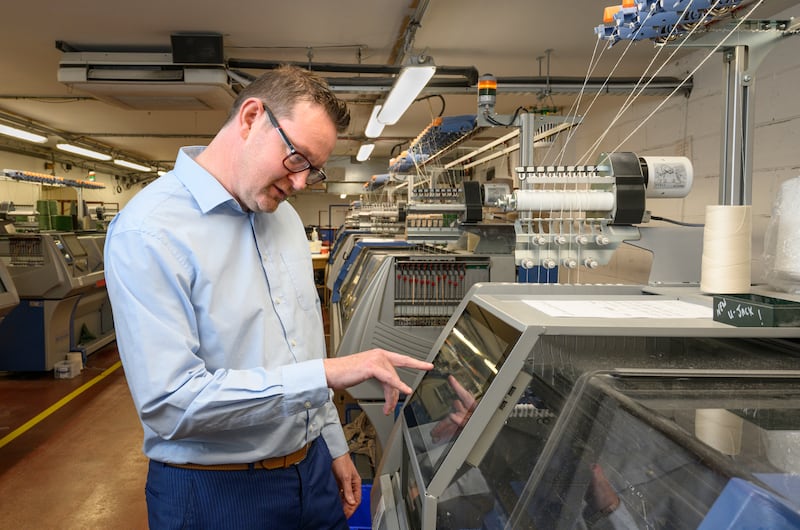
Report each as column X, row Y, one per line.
column 218, row 323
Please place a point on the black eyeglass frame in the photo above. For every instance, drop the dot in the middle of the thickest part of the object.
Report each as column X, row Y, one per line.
column 315, row 174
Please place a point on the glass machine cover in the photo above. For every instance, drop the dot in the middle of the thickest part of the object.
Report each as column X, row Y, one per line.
column 674, row 451
column 579, row 447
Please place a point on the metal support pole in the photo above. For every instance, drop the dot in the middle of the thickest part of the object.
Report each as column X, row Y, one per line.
column 754, row 40
column 736, row 166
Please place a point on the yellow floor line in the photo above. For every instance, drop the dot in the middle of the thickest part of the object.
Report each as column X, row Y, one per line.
column 57, row 405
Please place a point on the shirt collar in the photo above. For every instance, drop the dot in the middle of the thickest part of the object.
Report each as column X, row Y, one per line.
column 202, row 185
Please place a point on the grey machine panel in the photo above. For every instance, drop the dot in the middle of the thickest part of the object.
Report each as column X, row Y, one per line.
column 8, row 292
column 48, row 265
column 531, row 420
column 94, row 244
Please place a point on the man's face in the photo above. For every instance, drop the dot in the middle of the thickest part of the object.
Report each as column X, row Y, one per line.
column 264, row 181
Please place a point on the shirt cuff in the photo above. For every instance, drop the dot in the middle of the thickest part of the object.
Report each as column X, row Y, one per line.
column 305, row 386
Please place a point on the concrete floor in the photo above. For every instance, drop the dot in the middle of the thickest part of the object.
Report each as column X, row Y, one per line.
column 70, row 450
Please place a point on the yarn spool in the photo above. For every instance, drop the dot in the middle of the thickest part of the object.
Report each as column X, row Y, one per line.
column 726, row 250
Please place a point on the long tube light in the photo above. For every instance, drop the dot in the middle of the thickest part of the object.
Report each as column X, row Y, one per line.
column 132, row 165
column 82, row 151
column 364, row 151
column 409, row 84
column 374, row 127
column 22, row 135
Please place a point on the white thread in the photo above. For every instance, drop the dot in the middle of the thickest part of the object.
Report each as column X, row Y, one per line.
column 555, row 201
column 680, row 85
column 726, row 250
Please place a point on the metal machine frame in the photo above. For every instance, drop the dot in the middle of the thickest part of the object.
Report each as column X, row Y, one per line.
column 539, row 333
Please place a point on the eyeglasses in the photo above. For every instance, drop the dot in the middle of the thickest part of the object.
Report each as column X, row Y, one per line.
column 295, row 161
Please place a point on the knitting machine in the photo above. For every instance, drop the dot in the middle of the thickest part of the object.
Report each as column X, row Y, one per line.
column 63, row 306
column 538, row 414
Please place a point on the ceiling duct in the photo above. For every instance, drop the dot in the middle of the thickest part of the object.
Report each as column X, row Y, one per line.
column 378, row 79
column 147, row 81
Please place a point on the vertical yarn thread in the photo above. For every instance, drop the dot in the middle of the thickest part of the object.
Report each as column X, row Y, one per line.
column 726, row 250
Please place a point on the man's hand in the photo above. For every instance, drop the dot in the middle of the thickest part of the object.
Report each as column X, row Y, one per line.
column 463, row 407
column 601, row 495
column 349, row 370
column 349, row 483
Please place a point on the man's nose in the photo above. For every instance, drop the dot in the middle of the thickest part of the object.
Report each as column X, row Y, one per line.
column 298, row 180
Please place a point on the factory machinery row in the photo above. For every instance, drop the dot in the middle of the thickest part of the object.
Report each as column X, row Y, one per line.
column 568, row 406
column 553, row 404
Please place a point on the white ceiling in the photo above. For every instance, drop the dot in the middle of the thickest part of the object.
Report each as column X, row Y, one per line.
column 506, row 38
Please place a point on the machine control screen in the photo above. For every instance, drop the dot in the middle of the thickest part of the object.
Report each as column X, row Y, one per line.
column 464, row 368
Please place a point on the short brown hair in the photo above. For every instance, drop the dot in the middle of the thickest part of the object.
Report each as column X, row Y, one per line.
column 283, row 87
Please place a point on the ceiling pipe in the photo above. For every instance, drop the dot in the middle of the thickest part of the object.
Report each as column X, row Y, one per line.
column 459, row 80
column 469, row 74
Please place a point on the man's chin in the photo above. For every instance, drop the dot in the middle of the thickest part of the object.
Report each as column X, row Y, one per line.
column 268, row 203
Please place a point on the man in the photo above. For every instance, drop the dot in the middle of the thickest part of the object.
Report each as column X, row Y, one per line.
column 219, row 326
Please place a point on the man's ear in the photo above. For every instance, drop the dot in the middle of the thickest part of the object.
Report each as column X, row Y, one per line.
column 247, row 116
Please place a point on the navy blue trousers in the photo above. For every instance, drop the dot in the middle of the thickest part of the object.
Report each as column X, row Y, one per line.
column 303, row 496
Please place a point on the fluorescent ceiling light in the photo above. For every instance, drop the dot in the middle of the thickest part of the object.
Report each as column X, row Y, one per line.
column 22, row 135
column 374, row 127
column 132, row 165
column 407, row 86
column 74, row 149
column 364, row 151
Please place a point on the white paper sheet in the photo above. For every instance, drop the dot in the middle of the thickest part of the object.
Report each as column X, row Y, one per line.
column 621, row 308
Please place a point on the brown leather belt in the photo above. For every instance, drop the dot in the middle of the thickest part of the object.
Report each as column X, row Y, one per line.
column 278, row 462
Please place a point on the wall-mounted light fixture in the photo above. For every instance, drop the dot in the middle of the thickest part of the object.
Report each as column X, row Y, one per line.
column 412, row 79
column 132, row 165
column 364, row 151
column 22, row 135
column 82, row 151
